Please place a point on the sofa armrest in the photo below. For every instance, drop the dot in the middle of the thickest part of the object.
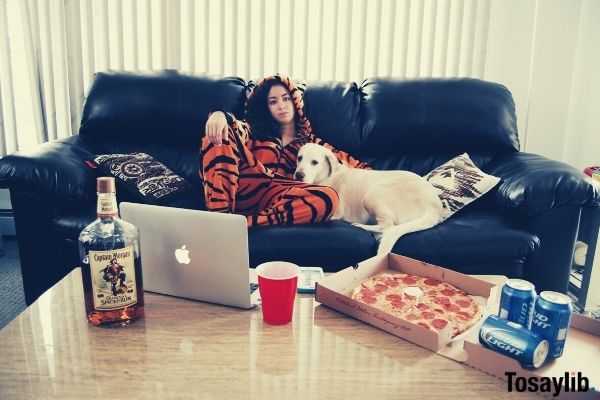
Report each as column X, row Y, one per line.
column 532, row 184
column 56, row 169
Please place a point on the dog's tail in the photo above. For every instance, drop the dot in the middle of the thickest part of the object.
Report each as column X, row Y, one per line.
column 391, row 235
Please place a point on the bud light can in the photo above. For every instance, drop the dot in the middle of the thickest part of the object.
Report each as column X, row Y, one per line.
column 551, row 320
column 517, row 301
column 515, row 341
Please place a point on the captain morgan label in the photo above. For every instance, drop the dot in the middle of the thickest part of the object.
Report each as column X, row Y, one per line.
column 113, row 278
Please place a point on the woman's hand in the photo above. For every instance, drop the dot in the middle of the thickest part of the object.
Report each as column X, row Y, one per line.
column 216, row 127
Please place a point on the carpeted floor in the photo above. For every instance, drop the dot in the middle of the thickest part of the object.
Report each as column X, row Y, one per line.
column 12, row 298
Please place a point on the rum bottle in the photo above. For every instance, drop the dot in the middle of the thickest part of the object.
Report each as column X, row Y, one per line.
column 111, row 267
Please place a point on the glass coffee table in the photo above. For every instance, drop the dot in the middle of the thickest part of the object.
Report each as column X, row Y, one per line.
column 187, row 349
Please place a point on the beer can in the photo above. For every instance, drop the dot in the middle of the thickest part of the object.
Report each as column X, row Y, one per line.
column 517, row 301
column 514, row 340
column 551, row 320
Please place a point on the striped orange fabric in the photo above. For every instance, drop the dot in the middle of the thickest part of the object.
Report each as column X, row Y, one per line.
column 235, row 182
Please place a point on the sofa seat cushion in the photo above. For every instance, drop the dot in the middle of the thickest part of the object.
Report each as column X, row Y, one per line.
column 474, row 242
column 333, row 245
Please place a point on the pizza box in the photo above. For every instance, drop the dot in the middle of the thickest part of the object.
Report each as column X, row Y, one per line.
column 581, row 355
column 335, row 291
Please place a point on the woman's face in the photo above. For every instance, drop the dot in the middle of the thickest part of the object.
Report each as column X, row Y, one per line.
column 280, row 104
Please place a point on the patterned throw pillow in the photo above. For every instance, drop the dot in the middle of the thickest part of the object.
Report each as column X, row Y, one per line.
column 147, row 179
column 460, row 183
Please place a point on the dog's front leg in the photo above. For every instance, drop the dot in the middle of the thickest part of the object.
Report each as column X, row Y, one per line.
column 339, row 212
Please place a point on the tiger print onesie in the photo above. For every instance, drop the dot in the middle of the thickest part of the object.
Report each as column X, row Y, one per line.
column 255, row 177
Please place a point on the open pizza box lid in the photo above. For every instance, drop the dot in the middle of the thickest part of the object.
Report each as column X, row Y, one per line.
column 582, row 350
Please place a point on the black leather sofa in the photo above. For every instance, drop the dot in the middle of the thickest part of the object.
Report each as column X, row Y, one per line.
column 525, row 227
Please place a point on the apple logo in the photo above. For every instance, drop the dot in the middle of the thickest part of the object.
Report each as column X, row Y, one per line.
column 182, row 255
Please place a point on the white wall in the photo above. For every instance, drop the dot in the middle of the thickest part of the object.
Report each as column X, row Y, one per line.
column 509, row 49
column 583, row 125
column 547, row 52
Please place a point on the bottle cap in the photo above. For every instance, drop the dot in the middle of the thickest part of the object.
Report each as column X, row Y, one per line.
column 105, row 185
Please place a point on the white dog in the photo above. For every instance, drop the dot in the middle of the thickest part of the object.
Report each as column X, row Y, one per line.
column 394, row 203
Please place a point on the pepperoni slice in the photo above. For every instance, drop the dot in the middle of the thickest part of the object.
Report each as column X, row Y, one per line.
column 393, row 297
column 428, row 315
column 424, row 325
column 448, row 292
column 422, row 306
column 380, row 288
column 365, row 291
column 441, row 300
column 412, row 317
column 409, row 280
column 369, row 299
column 439, row 323
column 452, row 307
column 391, row 282
column 431, row 282
column 464, row 303
column 397, row 304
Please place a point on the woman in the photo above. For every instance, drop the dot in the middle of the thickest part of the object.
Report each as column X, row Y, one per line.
column 247, row 166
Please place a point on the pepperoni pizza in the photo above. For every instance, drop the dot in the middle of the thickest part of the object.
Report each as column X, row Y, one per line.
column 430, row 303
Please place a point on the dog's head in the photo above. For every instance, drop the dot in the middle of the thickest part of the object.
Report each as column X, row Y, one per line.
column 315, row 163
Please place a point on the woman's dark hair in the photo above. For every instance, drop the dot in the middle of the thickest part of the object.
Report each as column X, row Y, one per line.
column 263, row 124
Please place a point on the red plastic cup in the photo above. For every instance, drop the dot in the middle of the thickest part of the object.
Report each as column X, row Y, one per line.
column 277, row 283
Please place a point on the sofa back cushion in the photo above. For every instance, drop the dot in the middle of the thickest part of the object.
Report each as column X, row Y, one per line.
column 415, row 125
column 432, row 120
column 165, row 107
column 333, row 109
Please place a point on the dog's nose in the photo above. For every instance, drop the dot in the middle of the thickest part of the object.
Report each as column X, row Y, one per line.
column 299, row 175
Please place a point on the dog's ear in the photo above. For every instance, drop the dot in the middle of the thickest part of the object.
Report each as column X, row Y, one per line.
column 332, row 162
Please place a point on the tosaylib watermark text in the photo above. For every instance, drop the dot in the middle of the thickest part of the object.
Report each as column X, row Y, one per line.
column 570, row 382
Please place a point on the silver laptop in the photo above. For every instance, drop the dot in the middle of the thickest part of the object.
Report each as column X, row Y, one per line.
column 199, row 255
